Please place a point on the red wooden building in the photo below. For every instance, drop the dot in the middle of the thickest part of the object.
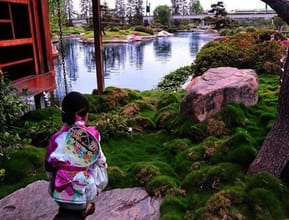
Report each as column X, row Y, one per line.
column 25, row 46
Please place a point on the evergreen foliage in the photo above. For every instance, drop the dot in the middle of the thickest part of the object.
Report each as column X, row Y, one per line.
column 243, row 50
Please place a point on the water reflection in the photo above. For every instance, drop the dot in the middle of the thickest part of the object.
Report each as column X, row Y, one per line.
column 194, row 44
column 139, row 65
column 162, row 47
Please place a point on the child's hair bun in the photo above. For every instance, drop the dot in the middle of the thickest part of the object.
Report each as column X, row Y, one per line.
column 68, row 117
column 74, row 104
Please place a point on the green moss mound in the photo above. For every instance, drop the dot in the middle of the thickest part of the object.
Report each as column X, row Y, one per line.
column 199, row 169
column 22, row 166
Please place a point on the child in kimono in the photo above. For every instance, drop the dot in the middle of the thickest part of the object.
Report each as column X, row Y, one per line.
column 75, row 164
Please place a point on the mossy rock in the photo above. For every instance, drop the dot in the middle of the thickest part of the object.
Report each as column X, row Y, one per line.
column 233, row 115
column 264, row 205
column 174, row 204
column 141, row 123
column 120, row 97
column 143, row 172
column 167, row 99
column 162, row 185
column 177, row 145
column 164, row 118
column 226, row 202
column 111, row 98
column 242, row 155
column 172, row 216
column 97, row 104
column 183, row 127
column 144, row 105
column 211, row 177
column 240, row 148
column 116, row 177
column 240, row 137
column 273, row 184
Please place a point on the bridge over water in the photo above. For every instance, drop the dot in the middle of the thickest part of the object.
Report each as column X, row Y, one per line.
column 236, row 15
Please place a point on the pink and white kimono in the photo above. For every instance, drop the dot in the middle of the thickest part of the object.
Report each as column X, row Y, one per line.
column 73, row 183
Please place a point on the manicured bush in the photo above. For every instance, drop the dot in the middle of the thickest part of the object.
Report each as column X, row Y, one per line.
column 144, row 29
column 243, row 50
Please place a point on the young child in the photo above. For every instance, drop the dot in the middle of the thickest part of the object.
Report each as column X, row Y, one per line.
column 75, row 163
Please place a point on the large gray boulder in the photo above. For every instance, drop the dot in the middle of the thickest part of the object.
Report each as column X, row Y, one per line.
column 209, row 93
column 34, row 203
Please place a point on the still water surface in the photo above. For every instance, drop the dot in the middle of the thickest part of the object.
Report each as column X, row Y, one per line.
column 138, row 65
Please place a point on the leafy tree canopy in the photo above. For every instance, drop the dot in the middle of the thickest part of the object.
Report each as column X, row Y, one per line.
column 162, row 15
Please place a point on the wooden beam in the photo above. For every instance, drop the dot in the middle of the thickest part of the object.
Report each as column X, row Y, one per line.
column 98, row 45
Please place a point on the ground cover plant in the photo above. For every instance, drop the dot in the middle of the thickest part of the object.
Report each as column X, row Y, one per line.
column 198, row 168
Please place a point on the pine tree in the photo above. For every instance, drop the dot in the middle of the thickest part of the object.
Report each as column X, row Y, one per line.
column 69, row 11
column 120, row 9
column 86, row 10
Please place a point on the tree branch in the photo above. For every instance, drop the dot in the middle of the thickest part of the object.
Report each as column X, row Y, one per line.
column 281, row 7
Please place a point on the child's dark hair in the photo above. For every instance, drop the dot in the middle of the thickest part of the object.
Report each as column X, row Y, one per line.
column 74, row 104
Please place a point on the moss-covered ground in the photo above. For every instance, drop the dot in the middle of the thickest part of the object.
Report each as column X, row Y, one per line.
column 198, row 168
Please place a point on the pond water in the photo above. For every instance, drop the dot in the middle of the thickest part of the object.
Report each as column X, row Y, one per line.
column 137, row 65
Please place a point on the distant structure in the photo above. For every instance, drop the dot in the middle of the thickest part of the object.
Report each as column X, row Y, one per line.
column 232, row 14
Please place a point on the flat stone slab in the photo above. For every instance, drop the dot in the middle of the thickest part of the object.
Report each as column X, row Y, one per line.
column 34, row 203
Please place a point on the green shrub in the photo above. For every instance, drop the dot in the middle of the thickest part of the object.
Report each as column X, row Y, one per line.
column 243, row 50
column 269, row 54
column 115, row 29
column 11, row 107
column 144, row 29
column 174, row 80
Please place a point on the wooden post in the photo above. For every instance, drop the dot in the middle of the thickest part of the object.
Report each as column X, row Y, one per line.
column 98, row 45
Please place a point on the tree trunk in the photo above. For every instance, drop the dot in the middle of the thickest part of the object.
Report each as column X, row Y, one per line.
column 274, row 153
